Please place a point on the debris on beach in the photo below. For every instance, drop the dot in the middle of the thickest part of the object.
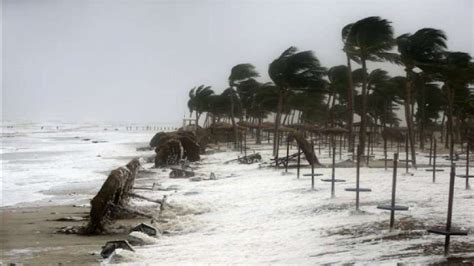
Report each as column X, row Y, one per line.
column 112, row 197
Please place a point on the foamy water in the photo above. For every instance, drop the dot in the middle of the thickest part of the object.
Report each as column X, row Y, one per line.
column 44, row 160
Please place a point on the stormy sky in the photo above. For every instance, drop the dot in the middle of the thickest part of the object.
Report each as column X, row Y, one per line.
column 136, row 60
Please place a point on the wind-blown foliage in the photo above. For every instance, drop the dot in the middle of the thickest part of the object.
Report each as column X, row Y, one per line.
column 293, row 71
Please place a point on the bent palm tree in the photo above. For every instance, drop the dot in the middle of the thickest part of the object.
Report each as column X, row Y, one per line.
column 239, row 73
column 199, row 100
column 422, row 48
column 369, row 39
column 348, row 50
column 293, row 70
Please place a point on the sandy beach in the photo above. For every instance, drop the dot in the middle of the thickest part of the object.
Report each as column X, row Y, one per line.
column 29, row 237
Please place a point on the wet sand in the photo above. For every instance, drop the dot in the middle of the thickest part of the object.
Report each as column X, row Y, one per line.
column 28, row 236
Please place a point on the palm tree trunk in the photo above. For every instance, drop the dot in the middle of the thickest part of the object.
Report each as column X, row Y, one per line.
column 259, row 130
column 408, row 116
column 236, row 134
column 277, row 125
column 450, row 121
column 350, row 105
column 363, row 117
column 422, row 122
column 328, row 107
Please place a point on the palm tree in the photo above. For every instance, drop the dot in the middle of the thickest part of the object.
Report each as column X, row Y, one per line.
column 199, row 100
column 456, row 71
column 369, row 39
column 348, row 50
column 239, row 73
column 423, row 47
column 339, row 84
column 293, row 70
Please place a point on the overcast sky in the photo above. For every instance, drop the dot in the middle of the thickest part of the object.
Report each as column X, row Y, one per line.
column 136, row 60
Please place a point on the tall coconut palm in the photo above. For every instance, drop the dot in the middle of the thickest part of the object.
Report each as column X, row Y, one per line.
column 369, row 39
column 239, row 73
column 294, row 70
column 199, row 100
column 348, row 50
column 417, row 50
column 338, row 83
column 455, row 70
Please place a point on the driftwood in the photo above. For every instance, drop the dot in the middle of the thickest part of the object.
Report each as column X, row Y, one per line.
column 113, row 193
column 305, row 146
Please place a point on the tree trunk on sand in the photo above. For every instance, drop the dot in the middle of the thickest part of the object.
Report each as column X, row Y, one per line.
column 114, row 192
column 363, row 117
column 276, row 139
column 350, row 105
column 408, row 116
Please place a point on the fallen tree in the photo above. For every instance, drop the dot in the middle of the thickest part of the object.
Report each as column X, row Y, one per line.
column 112, row 196
column 305, row 146
column 174, row 146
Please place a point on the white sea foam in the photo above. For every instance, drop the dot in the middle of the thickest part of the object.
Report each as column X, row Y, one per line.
column 41, row 162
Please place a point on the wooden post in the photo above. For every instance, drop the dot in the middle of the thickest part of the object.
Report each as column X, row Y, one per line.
column 312, row 167
column 245, row 144
column 287, row 155
column 385, row 152
column 319, row 143
column 450, row 209
column 406, row 153
column 431, row 149
column 434, row 160
column 340, row 147
column 358, row 178
column 394, row 189
column 467, row 165
column 368, row 148
column 299, row 162
column 447, row 231
column 333, row 174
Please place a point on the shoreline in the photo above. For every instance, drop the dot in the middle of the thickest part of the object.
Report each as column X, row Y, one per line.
column 28, row 236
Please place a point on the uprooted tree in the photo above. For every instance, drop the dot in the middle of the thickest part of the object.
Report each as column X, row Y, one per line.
column 174, row 146
column 112, row 197
column 305, row 146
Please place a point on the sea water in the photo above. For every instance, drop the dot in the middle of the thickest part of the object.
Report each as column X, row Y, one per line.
column 43, row 160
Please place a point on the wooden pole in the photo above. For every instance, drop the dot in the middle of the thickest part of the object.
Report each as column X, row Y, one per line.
column 406, row 153
column 287, row 155
column 394, row 189
column 312, row 167
column 333, row 175
column 299, row 162
column 467, row 165
column 431, row 149
column 450, row 209
column 385, row 152
column 245, row 144
column 357, row 177
column 434, row 160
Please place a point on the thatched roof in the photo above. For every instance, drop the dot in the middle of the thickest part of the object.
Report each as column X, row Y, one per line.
column 334, row 131
column 224, row 126
column 307, row 127
column 394, row 133
column 280, row 129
